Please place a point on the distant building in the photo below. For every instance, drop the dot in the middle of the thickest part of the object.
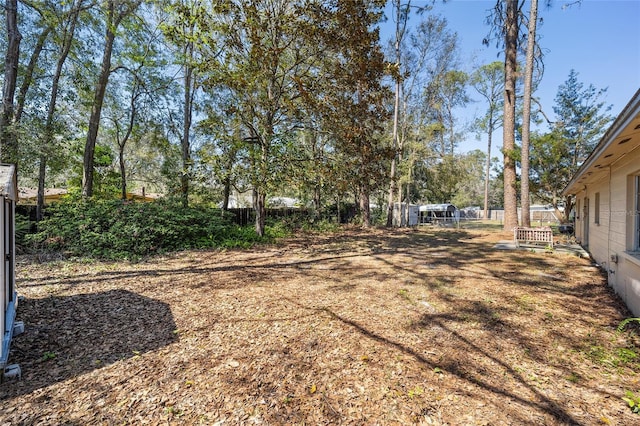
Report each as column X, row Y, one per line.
column 29, row 196
column 439, row 213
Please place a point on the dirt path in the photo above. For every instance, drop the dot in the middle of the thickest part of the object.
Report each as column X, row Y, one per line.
column 361, row 327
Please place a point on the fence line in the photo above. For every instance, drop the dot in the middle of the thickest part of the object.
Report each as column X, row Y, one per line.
column 246, row 215
column 537, row 216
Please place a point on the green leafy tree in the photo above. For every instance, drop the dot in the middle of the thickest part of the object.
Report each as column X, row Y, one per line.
column 44, row 27
column 67, row 32
column 353, row 95
column 261, row 67
column 470, row 189
column 312, row 167
column 114, row 12
column 442, row 180
column 38, row 24
column 581, row 117
column 223, row 153
column 187, row 29
column 488, row 81
column 133, row 105
column 401, row 17
column 581, row 120
column 429, row 54
column 442, row 95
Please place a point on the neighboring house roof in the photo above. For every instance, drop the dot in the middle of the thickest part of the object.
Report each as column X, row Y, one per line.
column 30, row 195
column 140, row 195
column 622, row 137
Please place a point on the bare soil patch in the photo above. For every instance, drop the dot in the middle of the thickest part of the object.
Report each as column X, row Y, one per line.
column 360, row 327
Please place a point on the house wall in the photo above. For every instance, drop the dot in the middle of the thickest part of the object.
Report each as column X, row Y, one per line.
column 610, row 242
column 624, row 275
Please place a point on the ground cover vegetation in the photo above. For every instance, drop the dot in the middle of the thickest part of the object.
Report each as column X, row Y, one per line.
column 432, row 326
column 111, row 229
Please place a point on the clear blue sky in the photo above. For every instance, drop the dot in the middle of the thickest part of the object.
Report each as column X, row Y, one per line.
column 600, row 39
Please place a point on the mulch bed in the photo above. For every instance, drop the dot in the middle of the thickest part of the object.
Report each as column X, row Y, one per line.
column 360, row 327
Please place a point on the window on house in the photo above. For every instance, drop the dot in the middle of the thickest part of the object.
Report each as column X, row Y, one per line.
column 596, row 208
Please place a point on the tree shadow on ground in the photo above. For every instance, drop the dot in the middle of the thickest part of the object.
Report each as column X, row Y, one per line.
column 542, row 403
column 67, row 336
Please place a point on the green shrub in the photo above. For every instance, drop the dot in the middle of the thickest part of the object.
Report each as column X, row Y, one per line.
column 22, row 227
column 633, row 400
column 113, row 229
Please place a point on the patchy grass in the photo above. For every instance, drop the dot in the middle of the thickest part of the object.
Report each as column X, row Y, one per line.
column 356, row 327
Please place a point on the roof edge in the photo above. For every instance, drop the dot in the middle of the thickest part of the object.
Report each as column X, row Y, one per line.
column 628, row 113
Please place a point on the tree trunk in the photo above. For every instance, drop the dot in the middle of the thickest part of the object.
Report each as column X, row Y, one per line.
column 365, row 211
column 122, row 144
column 487, row 174
column 8, row 141
column 114, row 18
column 260, row 199
column 394, row 160
column 508, row 140
column 96, row 110
column 123, row 174
column 28, row 74
column 226, row 193
column 42, row 170
column 317, row 201
column 405, row 222
column 526, row 117
column 47, row 142
column 186, row 144
column 396, row 114
column 569, row 203
column 261, row 211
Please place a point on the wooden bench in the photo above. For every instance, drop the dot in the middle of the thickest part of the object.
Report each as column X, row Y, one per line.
column 533, row 235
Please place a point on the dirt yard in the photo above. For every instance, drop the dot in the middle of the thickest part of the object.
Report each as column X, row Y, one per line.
column 361, row 328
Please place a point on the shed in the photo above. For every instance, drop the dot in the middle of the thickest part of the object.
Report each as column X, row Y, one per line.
column 433, row 213
column 405, row 215
column 8, row 295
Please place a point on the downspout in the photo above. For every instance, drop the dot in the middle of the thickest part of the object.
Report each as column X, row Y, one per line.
column 610, row 270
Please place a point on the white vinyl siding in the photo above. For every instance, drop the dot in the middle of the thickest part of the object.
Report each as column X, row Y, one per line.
column 636, row 214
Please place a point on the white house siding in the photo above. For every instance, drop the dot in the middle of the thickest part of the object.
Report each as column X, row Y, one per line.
column 596, row 241
column 624, row 276
column 610, row 170
column 610, row 240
